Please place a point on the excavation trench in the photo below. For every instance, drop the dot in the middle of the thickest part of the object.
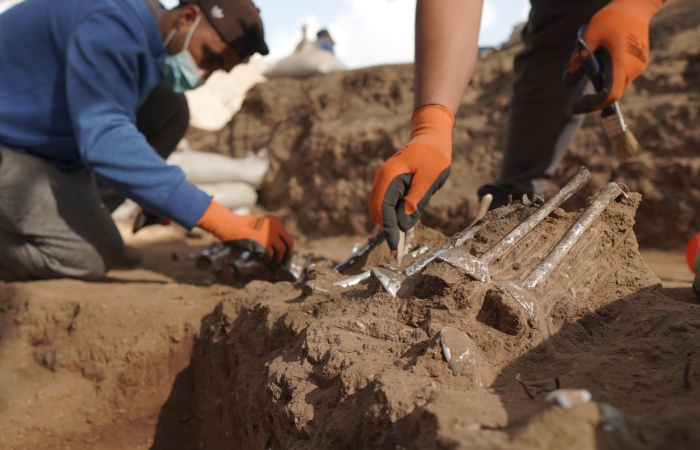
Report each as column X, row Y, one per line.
column 144, row 362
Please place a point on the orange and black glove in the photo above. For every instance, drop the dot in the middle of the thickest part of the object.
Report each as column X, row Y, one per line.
column 404, row 184
column 618, row 35
column 263, row 236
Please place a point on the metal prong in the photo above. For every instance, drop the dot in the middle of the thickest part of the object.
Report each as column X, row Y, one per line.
column 353, row 281
column 366, row 247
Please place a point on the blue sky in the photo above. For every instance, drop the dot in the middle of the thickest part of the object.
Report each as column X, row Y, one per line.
column 371, row 32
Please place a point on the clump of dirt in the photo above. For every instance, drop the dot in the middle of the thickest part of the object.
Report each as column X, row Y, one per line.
column 328, row 135
column 358, row 368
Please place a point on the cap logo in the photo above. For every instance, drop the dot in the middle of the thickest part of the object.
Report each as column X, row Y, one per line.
column 217, row 12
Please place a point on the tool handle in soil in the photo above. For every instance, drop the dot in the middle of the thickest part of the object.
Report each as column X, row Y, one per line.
column 543, row 211
column 608, row 194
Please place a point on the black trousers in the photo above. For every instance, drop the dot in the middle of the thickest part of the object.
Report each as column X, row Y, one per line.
column 541, row 124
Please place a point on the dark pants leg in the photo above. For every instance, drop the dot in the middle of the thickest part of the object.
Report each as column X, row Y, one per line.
column 163, row 118
column 541, row 124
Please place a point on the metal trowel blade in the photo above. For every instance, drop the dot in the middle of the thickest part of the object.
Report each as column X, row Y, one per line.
column 390, row 280
column 525, row 299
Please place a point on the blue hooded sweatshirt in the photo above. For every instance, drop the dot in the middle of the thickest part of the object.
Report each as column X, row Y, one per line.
column 73, row 73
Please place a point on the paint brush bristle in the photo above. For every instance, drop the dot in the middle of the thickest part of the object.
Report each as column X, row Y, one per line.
column 624, row 144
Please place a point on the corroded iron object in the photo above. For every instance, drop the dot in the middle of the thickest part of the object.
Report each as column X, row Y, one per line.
column 519, row 292
column 372, row 242
column 467, row 262
column 390, row 280
column 607, row 195
column 354, row 281
column 521, row 296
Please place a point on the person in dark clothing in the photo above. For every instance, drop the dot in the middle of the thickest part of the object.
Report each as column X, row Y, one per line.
column 544, row 112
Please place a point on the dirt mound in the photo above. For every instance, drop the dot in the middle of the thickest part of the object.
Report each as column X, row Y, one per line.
column 357, row 368
column 328, row 135
column 83, row 362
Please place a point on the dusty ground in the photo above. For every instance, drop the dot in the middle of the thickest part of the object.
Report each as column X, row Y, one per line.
column 163, row 356
column 111, row 365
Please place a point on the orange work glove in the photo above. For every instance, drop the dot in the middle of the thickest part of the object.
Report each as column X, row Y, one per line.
column 264, row 236
column 618, row 35
column 691, row 251
column 404, row 184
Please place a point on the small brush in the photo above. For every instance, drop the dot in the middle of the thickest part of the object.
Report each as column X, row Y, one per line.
column 624, row 144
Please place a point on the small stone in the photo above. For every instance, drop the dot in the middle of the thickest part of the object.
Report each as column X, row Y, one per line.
column 458, row 349
column 569, row 398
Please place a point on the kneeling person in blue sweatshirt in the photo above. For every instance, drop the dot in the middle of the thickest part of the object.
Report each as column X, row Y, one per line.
column 92, row 89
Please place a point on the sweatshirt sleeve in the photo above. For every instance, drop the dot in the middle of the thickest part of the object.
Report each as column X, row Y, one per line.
column 107, row 60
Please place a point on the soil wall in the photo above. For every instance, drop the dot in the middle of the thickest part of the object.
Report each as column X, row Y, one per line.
column 328, row 135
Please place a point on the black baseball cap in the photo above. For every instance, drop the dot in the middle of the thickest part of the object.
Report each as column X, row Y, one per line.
column 238, row 23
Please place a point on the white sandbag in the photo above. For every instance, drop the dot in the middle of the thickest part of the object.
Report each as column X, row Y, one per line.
column 306, row 63
column 204, row 167
column 213, row 104
column 128, row 210
column 232, row 195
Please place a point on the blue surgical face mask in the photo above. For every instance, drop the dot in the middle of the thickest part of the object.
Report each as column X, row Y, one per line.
column 180, row 70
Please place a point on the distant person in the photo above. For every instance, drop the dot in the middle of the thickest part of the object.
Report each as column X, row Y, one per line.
column 544, row 111
column 94, row 88
column 324, row 41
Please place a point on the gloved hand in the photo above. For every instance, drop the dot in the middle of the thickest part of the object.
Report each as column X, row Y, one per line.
column 404, row 184
column 264, row 236
column 618, row 35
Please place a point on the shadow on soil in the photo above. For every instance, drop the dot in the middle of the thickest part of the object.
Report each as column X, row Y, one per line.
column 631, row 354
column 638, row 354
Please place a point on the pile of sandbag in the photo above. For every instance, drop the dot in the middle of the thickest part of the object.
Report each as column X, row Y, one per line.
column 233, row 182
column 308, row 59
